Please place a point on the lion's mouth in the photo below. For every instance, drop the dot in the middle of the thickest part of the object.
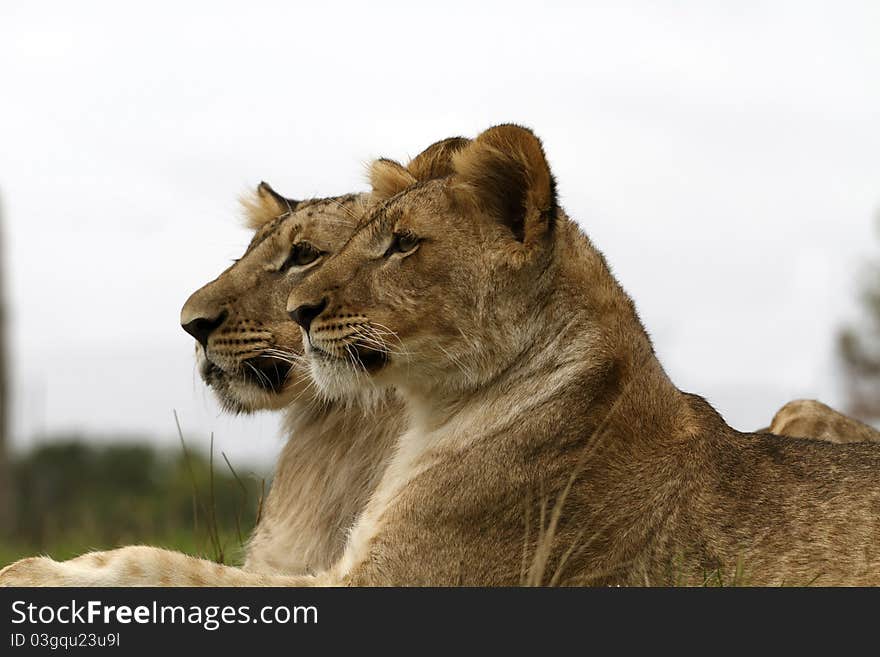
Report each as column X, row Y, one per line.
column 360, row 357
column 371, row 359
column 267, row 373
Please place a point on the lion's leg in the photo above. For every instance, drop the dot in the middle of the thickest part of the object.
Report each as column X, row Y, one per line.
column 140, row 565
column 806, row 418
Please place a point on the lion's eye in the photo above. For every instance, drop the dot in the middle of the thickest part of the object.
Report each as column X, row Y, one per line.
column 403, row 243
column 301, row 254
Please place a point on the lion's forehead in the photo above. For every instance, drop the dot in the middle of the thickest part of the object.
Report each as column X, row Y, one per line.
column 423, row 196
column 332, row 220
column 328, row 220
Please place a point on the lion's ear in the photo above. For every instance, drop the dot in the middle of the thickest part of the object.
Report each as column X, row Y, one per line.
column 436, row 160
column 389, row 178
column 504, row 173
column 264, row 205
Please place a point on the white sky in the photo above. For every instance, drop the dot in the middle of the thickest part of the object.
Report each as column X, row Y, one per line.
column 724, row 156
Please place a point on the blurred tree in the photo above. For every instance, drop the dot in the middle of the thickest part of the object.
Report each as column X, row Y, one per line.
column 859, row 349
column 7, row 504
column 74, row 495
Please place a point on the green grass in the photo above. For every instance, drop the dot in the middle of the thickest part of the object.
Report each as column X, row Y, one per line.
column 73, row 545
column 72, row 496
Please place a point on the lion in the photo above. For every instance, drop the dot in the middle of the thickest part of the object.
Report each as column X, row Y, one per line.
column 250, row 353
column 532, row 386
column 459, row 385
column 335, row 452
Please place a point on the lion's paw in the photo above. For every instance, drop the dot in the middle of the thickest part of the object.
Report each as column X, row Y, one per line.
column 34, row 571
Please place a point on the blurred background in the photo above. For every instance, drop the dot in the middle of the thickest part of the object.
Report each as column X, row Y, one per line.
column 724, row 156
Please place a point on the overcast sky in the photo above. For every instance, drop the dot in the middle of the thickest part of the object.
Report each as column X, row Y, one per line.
column 724, row 156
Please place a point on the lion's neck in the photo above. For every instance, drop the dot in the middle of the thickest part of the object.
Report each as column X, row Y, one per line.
column 589, row 364
column 333, row 458
column 589, row 335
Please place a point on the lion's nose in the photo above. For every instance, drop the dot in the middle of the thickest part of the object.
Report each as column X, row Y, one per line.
column 303, row 315
column 201, row 328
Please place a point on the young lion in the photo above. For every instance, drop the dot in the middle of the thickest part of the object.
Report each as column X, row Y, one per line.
column 250, row 354
column 532, row 386
column 304, row 526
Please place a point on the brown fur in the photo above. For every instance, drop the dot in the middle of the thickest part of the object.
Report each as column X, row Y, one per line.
column 265, row 205
column 532, row 387
column 335, row 452
column 546, row 444
column 808, row 418
column 388, row 177
column 436, row 160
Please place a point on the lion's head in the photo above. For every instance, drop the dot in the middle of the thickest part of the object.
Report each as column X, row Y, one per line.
column 441, row 284
column 248, row 350
column 246, row 346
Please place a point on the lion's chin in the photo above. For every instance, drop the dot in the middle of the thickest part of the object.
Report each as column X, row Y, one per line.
column 239, row 395
column 245, row 398
column 344, row 379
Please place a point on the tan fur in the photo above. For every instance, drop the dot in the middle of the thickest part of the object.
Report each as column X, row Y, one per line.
column 545, row 443
column 335, row 452
column 264, row 205
column 436, row 161
column 507, row 174
column 153, row 567
column 808, row 418
column 543, row 430
column 388, row 177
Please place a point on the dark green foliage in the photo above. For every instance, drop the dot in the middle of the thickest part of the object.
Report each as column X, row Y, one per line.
column 859, row 349
column 73, row 495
